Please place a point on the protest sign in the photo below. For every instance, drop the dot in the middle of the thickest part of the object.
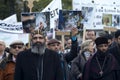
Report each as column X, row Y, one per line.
column 101, row 12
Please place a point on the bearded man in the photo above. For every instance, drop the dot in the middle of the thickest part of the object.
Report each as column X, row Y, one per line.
column 38, row 62
column 103, row 65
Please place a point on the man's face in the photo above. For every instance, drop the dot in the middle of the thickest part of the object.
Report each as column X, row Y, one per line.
column 68, row 45
column 118, row 40
column 91, row 35
column 15, row 49
column 54, row 47
column 37, row 38
column 91, row 47
column 109, row 41
column 102, row 47
column 38, row 44
column 2, row 46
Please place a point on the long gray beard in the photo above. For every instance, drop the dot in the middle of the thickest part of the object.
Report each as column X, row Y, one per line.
column 38, row 49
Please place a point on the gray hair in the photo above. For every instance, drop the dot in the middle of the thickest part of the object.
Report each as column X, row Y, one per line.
column 85, row 44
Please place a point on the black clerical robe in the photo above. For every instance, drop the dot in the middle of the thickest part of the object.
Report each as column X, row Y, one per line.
column 111, row 68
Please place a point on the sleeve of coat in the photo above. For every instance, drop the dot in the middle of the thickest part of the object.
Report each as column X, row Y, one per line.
column 73, row 52
column 76, row 68
column 86, row 71
column 59, row 71
column 18, row 69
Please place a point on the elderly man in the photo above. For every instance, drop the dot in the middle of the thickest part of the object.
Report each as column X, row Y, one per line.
column 9, row 66
column 3, row 54
column 38, row 62
column 3, row 57
column 55, row 45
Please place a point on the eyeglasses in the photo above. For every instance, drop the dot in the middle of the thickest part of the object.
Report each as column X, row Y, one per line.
column 19, row 47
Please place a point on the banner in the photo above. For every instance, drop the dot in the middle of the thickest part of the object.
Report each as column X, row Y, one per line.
column 11, row 19
column 10, row 27
column 53, row 8
column 99, row 13
column 76, row 4
column 8, row 38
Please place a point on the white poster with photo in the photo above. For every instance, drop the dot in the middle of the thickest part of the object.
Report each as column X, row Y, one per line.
column 88, row 15
column 43, row 21
column 53, row 8
column 36, row 20
column 69, row 19
column 103, row 11
column 106, row 16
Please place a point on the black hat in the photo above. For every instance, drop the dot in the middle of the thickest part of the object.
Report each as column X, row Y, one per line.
column 117, row 33
column 52, row 41
column 101, row 40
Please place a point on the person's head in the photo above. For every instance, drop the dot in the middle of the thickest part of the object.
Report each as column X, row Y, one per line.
column 2, row 46
column 102, row 34
column 54, row 45
column 38, row 42
column 110, row 38
column 88, row 45
column 16, row 47
column 41, row 26
column 91, row 35
column 68, row 44
column 101, row 44
column 27, row 46
column 117, row 36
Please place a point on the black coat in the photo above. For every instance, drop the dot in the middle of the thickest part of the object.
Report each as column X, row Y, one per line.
column 111, row 69
column 115, row 51
column 67, row 58
column 77, row 66
column 29, row 66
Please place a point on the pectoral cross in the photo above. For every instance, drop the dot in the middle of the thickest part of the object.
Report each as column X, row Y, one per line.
column 101, row 73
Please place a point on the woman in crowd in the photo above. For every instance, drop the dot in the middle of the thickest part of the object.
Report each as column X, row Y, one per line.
column 87, row 50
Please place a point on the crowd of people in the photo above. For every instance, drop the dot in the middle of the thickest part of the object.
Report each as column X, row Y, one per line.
column 96, row 58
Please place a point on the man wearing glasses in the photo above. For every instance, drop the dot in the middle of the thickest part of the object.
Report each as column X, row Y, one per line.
column 10, row 61
column 16, row 47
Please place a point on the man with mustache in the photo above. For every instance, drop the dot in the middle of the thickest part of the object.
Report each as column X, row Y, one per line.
column 102, row 65
column 38, row 62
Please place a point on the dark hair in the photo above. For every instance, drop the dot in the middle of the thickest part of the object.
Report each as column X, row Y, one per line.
column 109, row 36
column 92, row 31
column 117, row 33
column 101, row 40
